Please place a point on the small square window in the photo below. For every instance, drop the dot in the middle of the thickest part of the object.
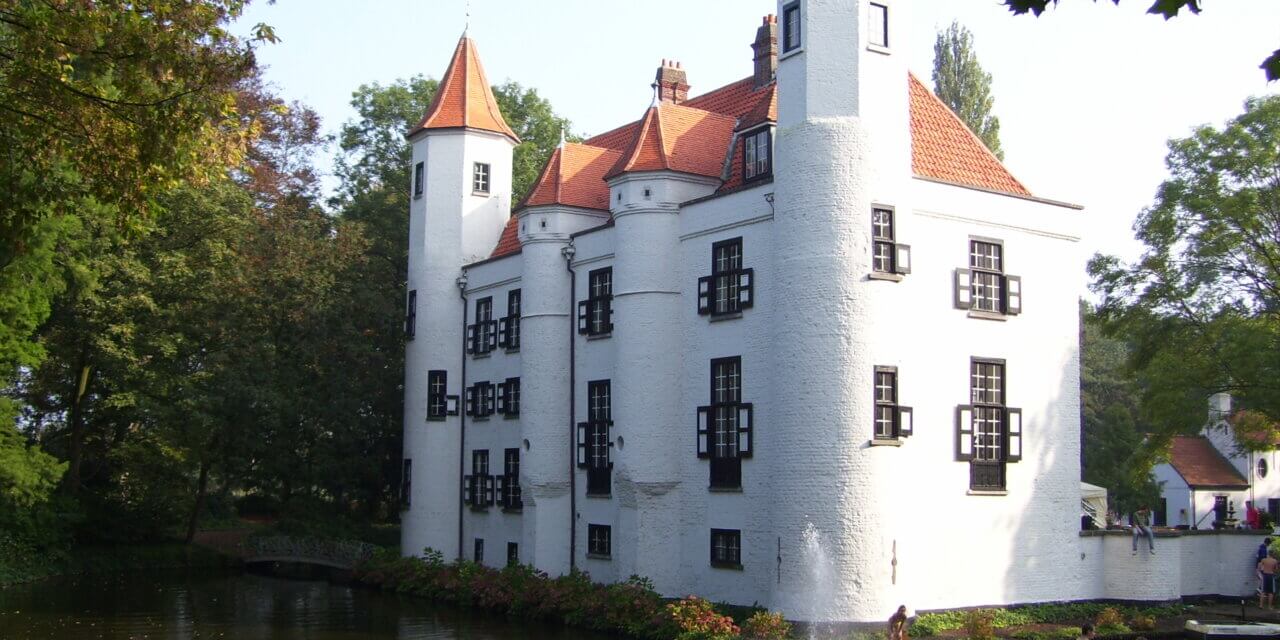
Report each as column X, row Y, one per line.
column 418, row 170
column 878, row 25
column 480, row 178
column 791, row 27
column 599, row 540
column 726, row 548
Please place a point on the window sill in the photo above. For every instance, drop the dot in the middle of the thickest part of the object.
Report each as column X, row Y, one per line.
column 885, row 442
column 513, row 350
column 599, row 556
column 436, row 418
column 510, row 416
column 598, row 336
column 602, row 496
column 732, row 315
column 987, row 315
column 987, row 492
column 513, row 510
column 481, row 194
column 726, row 565
column 417, row 197
column 725, row 489
column 887, row 277
column 794, row 52
column 479, row 418
column 879, row 49
column 757, row 177
column 480, row 509
column 477, row 356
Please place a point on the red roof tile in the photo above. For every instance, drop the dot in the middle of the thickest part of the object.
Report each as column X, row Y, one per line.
column 1202, row 465
column 678, row 138
column 509, row 241
column 574, row 176
column 765, row 109
column 943, row 148
column 464, row 98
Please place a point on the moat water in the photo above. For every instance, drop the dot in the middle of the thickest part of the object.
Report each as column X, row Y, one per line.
column 181, row 606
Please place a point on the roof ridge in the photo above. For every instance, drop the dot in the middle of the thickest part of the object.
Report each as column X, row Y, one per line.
column 662, row 137
column 982, row 145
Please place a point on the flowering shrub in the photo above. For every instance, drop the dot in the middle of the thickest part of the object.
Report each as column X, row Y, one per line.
column 979, row 624
column 696, row 619
column 766, row 625
column 632, row 608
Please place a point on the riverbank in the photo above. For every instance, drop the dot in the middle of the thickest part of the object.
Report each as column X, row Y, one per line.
column 21, row 563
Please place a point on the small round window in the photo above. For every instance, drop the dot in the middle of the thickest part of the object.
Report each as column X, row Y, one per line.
column 1262, row 467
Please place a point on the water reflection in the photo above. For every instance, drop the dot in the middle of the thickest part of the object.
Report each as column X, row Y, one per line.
column 177, row 606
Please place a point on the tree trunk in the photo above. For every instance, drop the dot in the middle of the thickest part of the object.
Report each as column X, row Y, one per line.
column 76, row 448
column 201, row 486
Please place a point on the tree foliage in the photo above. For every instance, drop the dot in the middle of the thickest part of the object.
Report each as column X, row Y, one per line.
column 960, row 82
column 1166, row 8
column 1200, row 306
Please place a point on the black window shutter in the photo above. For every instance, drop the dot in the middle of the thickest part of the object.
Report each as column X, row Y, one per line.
column 608, row 434
column 746, row 288
column 504, row 391
column 467, row 496
column 493, row 335
column 963, row 289
column 745, row 435
column 471, row 401
column 964, row 433
column 1013, row 434
column 451, row 404
column 904, row 422
column 500, row 490
column 704, row 421
column 902, row 258
column 504, row 330
column 471, row 338
column 582, row 316
column 704, row 294
column 486, row 407
column 583, row 428
column 1012, row 295
column 608, row 315
column 488, row 489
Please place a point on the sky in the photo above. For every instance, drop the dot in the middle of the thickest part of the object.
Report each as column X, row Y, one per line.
column 1087, row 94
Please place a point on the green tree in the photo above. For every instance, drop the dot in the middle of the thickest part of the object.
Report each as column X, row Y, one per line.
column 1199, row 307
column 1166, row 8
column 960, row 82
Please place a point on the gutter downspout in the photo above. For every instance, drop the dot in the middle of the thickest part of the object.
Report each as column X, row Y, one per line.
column 462, row 410
column 568, row 252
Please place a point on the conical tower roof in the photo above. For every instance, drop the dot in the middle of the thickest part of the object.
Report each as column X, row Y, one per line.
column 464, row 99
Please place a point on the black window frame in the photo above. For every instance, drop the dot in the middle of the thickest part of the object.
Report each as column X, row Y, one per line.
column 891, row 421
column 440, row 405
column 481, row 400
column 595, row 313
column 509, row 398
column 599, row 541
column 477, row 551
column 419, row 178
column 406, row 483
column 507, row 491
column 481, row 177
column 482, row 334
column 751, row 140
column 989, row 433
column 884, row 24
column 478, row 486
column 729, row 554
column 792, row 40
column 509, row 325
column 724, row 434
column 730, row 289
column 595, row 439
column 411, row 315
column 987, row 274
column 513, row 554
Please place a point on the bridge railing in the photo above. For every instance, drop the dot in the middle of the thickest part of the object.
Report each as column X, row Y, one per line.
column 343, row 553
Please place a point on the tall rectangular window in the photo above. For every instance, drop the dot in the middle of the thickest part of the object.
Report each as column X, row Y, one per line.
column 886, row 382
column 437, row 398
column 987, row 267
column 595, row 314
column 478, row 486
column 730, row 288
column 411, row 315
column 509, row 397
column 882, row 238
column 594, row 442
column 510, row 495
column 406, row 483
column 480, row 178
column 987, row 397
column 756, row 155
column 724, row 426
column 878, row 25
column 726, row 548
column 418, row 170
column 509, row 326
column 599, row 541
column 482, row 336
column 791, row 27
column 478, row 555
column 513, row 554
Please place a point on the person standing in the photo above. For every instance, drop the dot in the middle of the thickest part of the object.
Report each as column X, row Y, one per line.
column 1267, row 567
column 1263, row 549
column 1141, row 522
column 898, row 624
column 1251, row 515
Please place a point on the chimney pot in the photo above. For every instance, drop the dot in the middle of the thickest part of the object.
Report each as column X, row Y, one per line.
column 765, row 49
column 671, row 82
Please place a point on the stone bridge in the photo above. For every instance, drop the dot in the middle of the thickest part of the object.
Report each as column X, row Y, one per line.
column 338, row 554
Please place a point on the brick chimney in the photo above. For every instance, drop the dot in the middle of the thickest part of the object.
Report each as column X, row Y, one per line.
column 766, row 51
column 671, row 82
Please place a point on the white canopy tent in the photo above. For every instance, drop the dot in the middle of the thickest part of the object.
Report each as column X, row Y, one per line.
column 1093, row 501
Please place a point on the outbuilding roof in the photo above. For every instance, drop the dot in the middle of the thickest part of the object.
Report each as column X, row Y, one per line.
column 1202, row 466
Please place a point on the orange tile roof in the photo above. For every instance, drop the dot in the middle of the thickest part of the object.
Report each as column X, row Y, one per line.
column 464, row 98
column 678, row 138
column 509, row 241
column 765, row 109
column 1202, row 465
column 574, row 176
column 943, row 148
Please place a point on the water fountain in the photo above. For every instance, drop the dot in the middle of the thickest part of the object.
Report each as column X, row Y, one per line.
column 819, row 608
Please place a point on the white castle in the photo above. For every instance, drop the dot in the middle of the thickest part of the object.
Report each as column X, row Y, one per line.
column 807, row 299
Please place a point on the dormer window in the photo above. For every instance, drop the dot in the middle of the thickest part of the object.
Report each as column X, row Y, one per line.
column 480, row 178
column 756, row 155
column 878, row 25
column 791, row 27
column 418, row 171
